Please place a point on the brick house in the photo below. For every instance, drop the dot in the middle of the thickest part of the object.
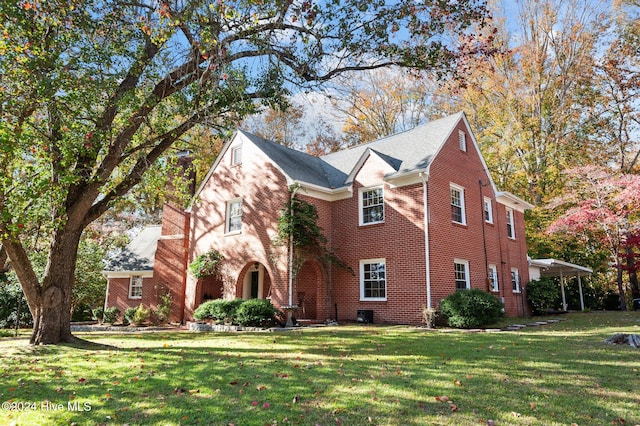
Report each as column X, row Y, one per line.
column 415, row 216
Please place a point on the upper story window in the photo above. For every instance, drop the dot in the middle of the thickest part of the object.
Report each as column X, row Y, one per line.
column 135, row 287
column 373, row 279
column 515, row 280
column 511, row 229
column 488, row 210
column 493, row 278
column 371, row 205
column 457, row 204
column 462, row 140
column 461, row 270
column 236, row 155
column 234, row 216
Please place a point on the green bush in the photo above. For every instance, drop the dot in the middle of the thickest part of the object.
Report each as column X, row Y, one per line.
column 98, row 313
column 218, row 310
column 10, row 296
column 256, row 313
column 111, row 314
column 128, row 315
column 141, row 315
column 471, row 308
column 164, row 309
column 543, row 294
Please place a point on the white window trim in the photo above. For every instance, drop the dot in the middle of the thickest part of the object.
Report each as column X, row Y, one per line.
column 515, row 273
column 511, row 224
column 488, row 203
column 467, row 279
column 131, row 286
column 227, row 221
column 453, row 186
column 386, row 287
column 493, row 276
column 462, row 141
column 236, row 159
column 361, row 191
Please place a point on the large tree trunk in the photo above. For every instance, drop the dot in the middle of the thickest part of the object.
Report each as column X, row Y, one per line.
column 50, row 300
column 623, row 302
column 633, row 273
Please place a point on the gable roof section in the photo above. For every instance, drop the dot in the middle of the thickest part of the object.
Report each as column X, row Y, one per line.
column 407, row 152
column 139, row 254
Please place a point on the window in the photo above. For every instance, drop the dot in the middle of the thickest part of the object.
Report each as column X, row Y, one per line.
column 462, row 140
column 135, row 287
column 373, row 279
column 236, row 155
column 493, row 278
column 488, row 210
column 234, row 216
column 511, row 230
column 461, row 269
column 515, row 280
column 371, row 206
column 457, row 204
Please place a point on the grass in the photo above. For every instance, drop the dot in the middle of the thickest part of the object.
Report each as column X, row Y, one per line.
column 558, row 374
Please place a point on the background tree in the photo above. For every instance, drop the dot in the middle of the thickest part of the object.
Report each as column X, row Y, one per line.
column 382, row 102
column 94, row 93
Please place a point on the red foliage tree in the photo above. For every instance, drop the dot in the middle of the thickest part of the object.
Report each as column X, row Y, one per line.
column 602, row 208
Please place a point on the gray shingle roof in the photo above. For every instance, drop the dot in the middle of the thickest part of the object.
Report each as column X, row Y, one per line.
column 405, row 152
column 139, row 254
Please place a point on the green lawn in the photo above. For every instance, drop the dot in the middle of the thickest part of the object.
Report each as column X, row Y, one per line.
column 351, row 375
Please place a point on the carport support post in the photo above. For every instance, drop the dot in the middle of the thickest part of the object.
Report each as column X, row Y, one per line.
column 580, row 289
column 564, row 299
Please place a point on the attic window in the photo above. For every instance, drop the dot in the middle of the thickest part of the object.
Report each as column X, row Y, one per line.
column 462, row 140
column 371, row 205
column 236, row 155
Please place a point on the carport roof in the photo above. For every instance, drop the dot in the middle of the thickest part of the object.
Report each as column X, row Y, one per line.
column 559, row 268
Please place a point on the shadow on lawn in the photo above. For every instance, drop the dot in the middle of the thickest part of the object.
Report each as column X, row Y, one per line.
column 352, row 374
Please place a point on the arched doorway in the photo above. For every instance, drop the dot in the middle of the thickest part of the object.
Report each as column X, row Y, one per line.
column 255, row 282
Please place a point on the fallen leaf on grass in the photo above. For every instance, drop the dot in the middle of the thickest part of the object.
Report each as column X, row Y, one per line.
column 442, row 398
column 457, row 383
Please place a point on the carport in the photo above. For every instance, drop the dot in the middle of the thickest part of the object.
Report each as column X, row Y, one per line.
column 561, row 269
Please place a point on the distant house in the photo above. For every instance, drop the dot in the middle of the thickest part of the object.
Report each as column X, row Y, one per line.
column 416, row 216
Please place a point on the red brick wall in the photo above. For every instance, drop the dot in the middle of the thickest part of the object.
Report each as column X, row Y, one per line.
column 264, row 193
column 399, row 240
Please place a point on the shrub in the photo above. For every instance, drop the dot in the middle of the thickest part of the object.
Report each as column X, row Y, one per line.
column 10, row 297
column 111, row 314
column 429, row 317
column 141, row 315
column 164, row 309
column 471, row 308
column 128, row 315
column 218, row 310
column 256, row 313
column 542, row 294
column 98, row 313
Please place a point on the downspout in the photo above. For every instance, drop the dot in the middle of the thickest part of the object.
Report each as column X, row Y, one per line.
column 290, row 305
column 426, row 239
column 293, row 194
